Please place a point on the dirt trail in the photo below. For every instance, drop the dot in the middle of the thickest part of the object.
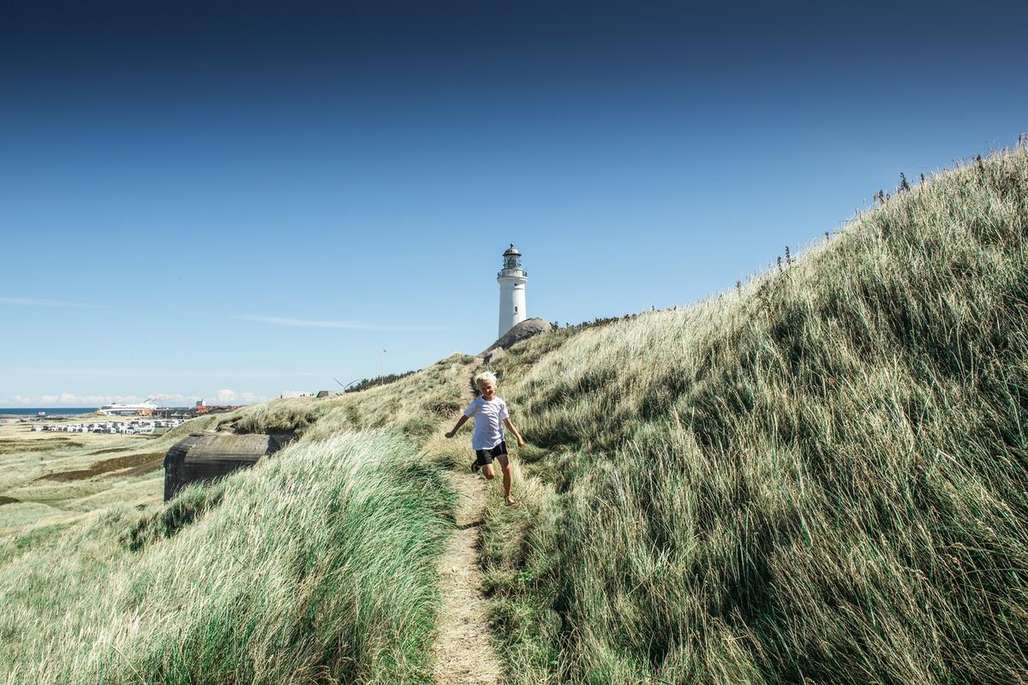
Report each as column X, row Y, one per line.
column 463, row 652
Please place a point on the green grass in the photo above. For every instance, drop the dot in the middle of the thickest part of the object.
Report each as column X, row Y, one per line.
column 317, row 565
column 820, row 477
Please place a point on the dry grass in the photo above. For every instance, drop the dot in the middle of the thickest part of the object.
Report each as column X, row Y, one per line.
column 58, row 479
column 413, row 404
column 822, row 477
column 132, row 464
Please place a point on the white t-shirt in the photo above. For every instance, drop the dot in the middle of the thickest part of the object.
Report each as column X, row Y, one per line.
column 489, row 418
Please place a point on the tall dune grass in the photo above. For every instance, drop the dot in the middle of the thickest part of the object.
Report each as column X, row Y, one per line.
column 318, row 565
column 823, row 477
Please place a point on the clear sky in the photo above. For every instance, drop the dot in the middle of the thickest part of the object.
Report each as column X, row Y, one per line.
column 233, row 201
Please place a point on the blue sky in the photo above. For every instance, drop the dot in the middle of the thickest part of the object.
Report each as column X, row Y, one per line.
column 235, row 202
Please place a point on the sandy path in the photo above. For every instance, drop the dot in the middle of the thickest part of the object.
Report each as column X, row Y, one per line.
column 463, row 651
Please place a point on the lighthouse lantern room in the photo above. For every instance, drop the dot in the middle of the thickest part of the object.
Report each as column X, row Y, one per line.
column 512, row 279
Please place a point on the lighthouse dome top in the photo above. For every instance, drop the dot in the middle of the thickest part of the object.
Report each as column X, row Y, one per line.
column 512, row 263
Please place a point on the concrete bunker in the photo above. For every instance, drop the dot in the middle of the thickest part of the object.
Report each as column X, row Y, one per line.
column 206, row 456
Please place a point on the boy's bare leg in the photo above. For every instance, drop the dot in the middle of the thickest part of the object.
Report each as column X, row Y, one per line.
column 487, row 471
column 505, row 466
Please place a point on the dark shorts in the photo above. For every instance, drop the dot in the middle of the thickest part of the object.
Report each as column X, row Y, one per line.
column 487, row 456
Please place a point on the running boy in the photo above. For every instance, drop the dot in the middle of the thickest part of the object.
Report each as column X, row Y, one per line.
column 490, row 412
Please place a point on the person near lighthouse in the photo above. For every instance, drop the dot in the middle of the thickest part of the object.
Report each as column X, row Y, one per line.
column 491, row 415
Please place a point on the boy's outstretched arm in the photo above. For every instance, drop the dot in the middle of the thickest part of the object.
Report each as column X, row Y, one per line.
column 456, row 428
column 515, row 431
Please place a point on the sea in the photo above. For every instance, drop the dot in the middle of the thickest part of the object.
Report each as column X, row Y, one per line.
column 50, row 411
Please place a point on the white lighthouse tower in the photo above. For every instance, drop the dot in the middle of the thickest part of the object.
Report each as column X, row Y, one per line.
column 512, row 279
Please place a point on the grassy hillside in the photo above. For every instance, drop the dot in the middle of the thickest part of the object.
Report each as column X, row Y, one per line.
column 820, row 477
column 414, row 404
column 317, row 565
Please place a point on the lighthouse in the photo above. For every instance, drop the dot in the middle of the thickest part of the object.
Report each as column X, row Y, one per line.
column 512, row 279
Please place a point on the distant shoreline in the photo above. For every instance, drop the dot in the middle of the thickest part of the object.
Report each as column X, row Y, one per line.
column 50, row 411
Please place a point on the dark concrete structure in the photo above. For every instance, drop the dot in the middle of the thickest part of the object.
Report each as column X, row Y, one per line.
column 206, row 456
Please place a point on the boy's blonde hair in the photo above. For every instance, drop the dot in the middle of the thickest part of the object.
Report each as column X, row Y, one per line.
column 485, row 376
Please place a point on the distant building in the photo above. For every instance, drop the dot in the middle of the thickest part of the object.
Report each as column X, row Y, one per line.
column 142, row 409
column 512, row 279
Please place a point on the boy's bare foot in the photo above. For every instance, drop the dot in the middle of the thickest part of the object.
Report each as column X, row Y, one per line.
column 511, row 502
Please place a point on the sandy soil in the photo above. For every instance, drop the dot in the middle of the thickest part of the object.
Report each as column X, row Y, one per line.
column 463, row 649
